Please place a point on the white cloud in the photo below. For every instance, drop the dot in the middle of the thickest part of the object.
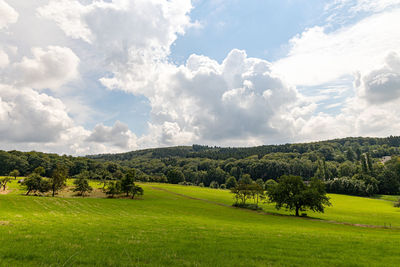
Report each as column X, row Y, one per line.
column 317, row 56
column 381, row 85
column 8, row 15
column 204, row 101
column 27, row 116
column 48, row 68
column 118, row 135
column 4, row 61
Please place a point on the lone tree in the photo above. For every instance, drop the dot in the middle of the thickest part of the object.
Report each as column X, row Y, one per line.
column 14, row 174
column 293, row 194
column 82, row 186
column 58, row 178
column 4, row 181
column 128, row 182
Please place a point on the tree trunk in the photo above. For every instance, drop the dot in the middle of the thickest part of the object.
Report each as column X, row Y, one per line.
column 27, row 193
column 297, row 211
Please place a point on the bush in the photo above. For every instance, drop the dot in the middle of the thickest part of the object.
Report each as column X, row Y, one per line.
column 247, row 206
column 214, row 185
column 222, row 186
column 201, row 184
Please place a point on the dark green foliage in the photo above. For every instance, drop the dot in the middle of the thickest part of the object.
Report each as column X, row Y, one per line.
column 36, row 183
column 325, row 160
column 231, row 182
column 82, row 186
column 214, row 184
column 175, row 176
column 14, row 173
column 397, row 203
column 58, row 178
column 293, row 194
column 243, row 192
column 249, row 206
column 113, row 188
column 269, row 184
column 246, row 179
column 389, row 182
column 39, row 170
column 128, row 182
column 137, row 191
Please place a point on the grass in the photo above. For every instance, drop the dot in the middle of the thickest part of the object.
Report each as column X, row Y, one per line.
column 349, row 209
column 168, row 229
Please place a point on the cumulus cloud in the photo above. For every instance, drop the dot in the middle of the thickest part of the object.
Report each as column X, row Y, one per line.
column 204, row 101
column 118, row 135
column 381, row 85
column 318, row 56
column 8, row 15
column 49, row 68
column 27, row 116
column 3, row 59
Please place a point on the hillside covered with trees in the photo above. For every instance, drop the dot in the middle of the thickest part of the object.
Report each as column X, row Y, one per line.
column 355, row 165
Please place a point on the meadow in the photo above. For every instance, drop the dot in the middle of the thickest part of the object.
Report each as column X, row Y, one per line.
column 191, row 226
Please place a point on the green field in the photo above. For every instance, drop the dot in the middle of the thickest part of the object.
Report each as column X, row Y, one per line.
column 196, row 228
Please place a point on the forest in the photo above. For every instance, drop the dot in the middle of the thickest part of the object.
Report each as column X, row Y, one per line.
column 361, row 166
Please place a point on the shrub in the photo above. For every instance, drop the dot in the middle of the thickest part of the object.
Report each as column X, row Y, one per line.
column 247, row 206
column 397, row 204
column 222, row 186
column 214, row 184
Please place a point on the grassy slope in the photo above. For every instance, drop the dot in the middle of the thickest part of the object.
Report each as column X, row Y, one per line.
column 344, row 208
column 166, row 229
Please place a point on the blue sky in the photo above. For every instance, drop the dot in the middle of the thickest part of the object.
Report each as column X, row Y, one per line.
column 117, row 75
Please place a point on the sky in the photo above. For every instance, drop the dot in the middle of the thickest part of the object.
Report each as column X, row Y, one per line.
column 83, row 77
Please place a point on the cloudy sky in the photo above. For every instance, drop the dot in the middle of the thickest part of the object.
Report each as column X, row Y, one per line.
column 102, row 76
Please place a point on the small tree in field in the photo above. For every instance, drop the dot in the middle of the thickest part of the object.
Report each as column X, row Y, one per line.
column 14, row 174
column 4, row 181
column 58, row 179
column 136, row 191
column 36, row 183
column 82, row 186
column 128, row 182
column 113, row 188
column 293, row 194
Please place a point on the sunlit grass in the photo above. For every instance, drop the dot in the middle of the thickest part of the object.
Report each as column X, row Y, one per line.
column 167, row 229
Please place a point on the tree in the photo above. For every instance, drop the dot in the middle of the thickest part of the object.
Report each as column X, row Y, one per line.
column 293, row 194
column 14, row 174
column 58, row 178
column 136, row 190
column 175, row 176
column 246, row 179
column 39, row 170
column 4, row 181
column 128, row 182
column 36, row 183
column 113, row 188
column 231, row 182
column 214, row 184
column 82, row 186
column 269, row 184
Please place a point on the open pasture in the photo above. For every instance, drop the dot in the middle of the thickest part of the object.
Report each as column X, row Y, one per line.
column 164, row 228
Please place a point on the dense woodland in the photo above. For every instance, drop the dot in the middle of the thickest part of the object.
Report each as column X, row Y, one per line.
column 356, row 166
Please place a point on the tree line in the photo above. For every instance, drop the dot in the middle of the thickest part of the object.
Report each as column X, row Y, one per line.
column 347, row 166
